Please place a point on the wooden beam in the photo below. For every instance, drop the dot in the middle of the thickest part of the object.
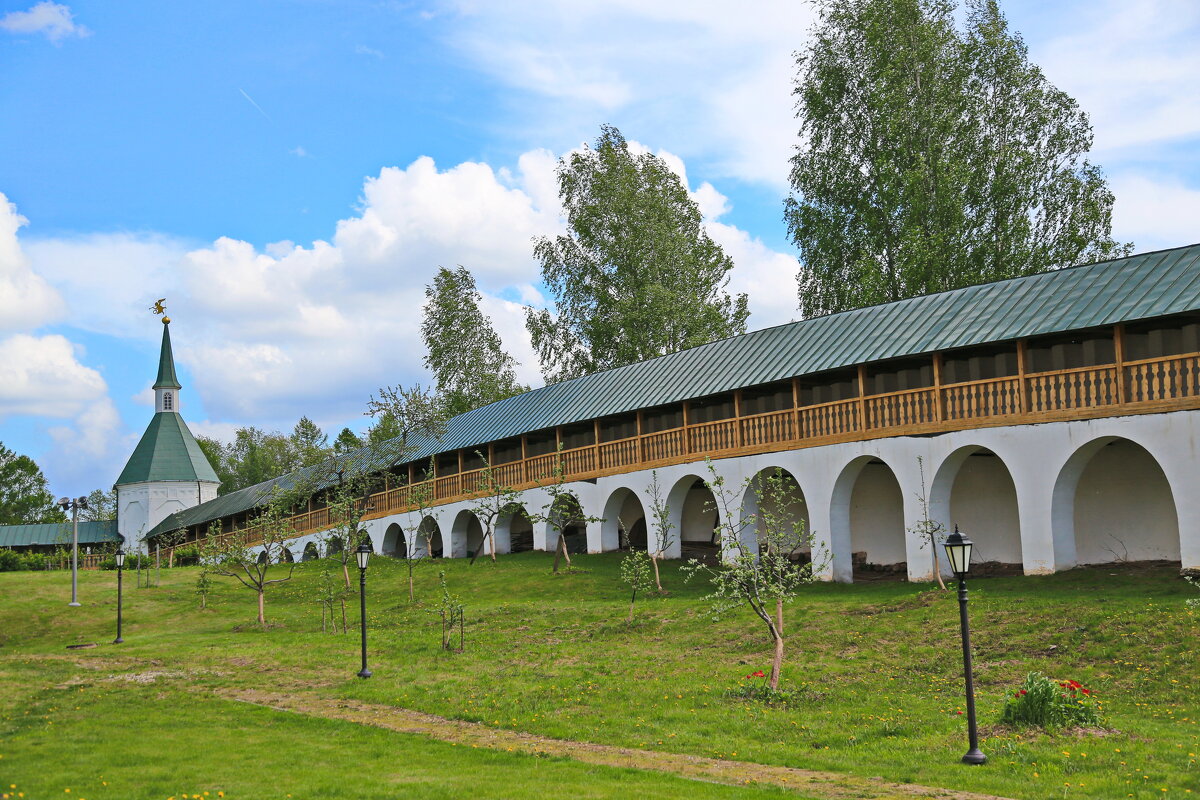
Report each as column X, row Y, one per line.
column 862, row 394
column 1119, row 358
column 737, row 416
column 1022, row 367
column 939, row 403
column 687, row 436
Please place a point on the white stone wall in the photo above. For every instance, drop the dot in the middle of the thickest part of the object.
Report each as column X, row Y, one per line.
column 1047, row 497
column 141, row 506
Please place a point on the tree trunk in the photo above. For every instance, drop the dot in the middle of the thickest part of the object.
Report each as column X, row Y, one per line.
column 937, row 567
column 492, row 545
column 345, row 571
column 262, row 619
column 322, row 616
column 657, row 579
column 411, row 597
column 779, row 615
column 777, row 663
column 171, row 558
column 343, row 615
column 632, row 598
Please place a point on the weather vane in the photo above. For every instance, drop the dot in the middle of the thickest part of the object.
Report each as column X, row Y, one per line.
column 159, row 308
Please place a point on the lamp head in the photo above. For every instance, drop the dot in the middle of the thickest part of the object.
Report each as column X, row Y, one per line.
column 64, row 502
column 120, row 557
column 363, row 554
column 958, row 552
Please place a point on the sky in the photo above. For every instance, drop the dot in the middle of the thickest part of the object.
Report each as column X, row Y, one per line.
column 290, row 174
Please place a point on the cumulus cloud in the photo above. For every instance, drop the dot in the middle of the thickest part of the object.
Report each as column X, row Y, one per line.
column 26, row 300
column 269, row 333
column 1155, row 212
column 53, row 20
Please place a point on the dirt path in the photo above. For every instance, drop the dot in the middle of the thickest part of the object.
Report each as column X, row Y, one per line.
column 826, row 785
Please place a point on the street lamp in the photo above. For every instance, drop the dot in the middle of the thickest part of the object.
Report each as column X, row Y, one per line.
column 74, row 505
column 120, row 557
column 958, row 552
column 364, row 555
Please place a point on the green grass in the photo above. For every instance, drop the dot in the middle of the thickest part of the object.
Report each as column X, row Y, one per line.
column 876, row 666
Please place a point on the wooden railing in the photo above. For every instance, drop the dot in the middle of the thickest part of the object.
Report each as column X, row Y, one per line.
column 1144, row 386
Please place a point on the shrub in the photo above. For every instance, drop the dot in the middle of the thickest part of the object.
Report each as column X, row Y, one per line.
column 34, row 560
column 187, row 556
column 10, row 561
column 1047, row 703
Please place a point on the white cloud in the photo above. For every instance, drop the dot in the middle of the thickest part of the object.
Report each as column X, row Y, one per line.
column 714, row 84
column 26, row 300
column 41, row 375
column 1133, row 68
column 1155, row 212
column 53, row 20
column 269, row 333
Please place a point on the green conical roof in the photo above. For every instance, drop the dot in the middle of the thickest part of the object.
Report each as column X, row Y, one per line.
column 166, row 362
column 167, row 452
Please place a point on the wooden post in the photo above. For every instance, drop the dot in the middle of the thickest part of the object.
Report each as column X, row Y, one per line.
column 796, row 434
column 737, row 416
column 862, row 393
column 412, row 473
column 641, row 442
column 524, row 460
column 939, row 402
column 596, row 443
column 460, row 461
column 1022, row 390
column 1119, row 357
column 687, row 436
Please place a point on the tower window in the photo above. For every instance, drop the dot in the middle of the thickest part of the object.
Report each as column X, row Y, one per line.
column 168, row 401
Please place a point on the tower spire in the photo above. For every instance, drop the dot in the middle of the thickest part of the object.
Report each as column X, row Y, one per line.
column 166, row 362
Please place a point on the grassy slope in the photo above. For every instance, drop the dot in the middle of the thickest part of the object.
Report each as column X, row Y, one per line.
column 878, row 665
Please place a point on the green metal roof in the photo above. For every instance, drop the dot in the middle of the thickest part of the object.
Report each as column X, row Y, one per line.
column 1105, row 293
column 166, row 362
column 52, row 533
column 167, row 452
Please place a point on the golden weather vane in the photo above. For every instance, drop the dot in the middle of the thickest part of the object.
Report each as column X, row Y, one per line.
column 160, row 308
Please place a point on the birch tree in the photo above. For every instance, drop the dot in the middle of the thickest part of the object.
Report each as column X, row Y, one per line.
column 636, row 276
column 934, row 156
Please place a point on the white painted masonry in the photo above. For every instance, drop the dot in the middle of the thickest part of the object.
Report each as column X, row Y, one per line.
column 141, row 506
column 1047, row 496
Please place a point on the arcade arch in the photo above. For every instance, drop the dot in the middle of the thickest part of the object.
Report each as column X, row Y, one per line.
column 974, row 489
column 624, row 523
column 394, row 543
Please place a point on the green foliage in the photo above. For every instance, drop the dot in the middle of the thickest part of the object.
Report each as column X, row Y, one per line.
column 101, row 505
column 1045, row 703
column 464, row 352
column 10, row 560
column 1194, row 602
column 637, row 276
column 25, row 497
column 450, row 608
column 256, row 455
column 934, row 158
column 346, row 441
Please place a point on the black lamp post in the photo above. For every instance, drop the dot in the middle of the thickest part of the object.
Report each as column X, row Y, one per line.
column 958, row 551
column 120, row 557
column 364, row 555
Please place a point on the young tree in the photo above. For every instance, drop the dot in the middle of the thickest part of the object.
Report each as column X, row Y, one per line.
column 464, row 352
column 637, row 276
column 562, row 510
column 767, row 576
column 659, row 526
column 250, row 555
column 930, row 532
column 420, row 499
column 934, row 158
column 406, row 412
column 348, row 502
column 635, row 571
column 25, row 497
column 493, row 500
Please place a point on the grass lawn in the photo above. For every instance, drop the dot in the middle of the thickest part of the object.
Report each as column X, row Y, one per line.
column 876, row 667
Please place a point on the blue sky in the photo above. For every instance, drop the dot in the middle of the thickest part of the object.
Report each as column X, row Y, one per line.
column 289, row 175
